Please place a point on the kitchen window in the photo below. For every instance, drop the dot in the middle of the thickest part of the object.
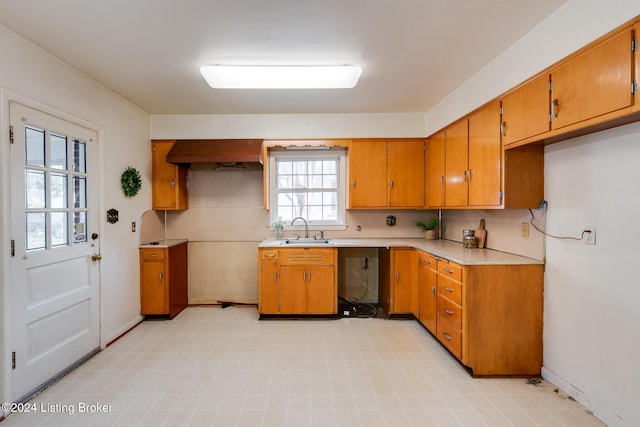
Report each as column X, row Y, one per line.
column 308, row 183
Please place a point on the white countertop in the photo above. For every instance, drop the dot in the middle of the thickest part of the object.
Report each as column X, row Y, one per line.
column 167, row 243
column 448, row 249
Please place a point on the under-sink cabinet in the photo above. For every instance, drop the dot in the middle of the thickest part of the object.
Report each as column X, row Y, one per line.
column 297, row 281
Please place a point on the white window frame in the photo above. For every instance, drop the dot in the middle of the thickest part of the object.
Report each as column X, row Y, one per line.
column 338, row 153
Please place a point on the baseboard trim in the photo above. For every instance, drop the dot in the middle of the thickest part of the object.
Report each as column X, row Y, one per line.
column 599, row 411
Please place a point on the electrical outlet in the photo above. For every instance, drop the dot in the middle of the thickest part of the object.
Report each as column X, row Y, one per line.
column 133, row 227
column 590, row 236
column 524, row 229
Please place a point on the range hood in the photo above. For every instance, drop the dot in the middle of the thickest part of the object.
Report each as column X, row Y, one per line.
column 219, row 151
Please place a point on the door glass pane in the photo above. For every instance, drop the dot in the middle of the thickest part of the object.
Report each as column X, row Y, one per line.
column 58, row 152
column 79, row 156
column 34, row 139
column 79, row 227
column 36, row 230
column 35, row 190
column 58, row 191
column 59, row 228
column 79, row 192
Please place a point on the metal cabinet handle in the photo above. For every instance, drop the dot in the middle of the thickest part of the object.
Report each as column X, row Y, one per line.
column 390, row 183
column 447, row 336
column 441, row 179
column 161, row 277
column 275, row 277
column 464, row 175
column 503, row 128
column 353, row 183
column 446, row 310
column 173, row 185
column 426, row 261
column 448, row 289
column 433, row 291
column 269, row 255
column 448, row 270
column 397, row 276
column 153, row 255
column 554, row 107
column 309, row 276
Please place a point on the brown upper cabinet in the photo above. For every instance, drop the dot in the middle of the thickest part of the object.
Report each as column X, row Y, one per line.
column 595, row 82
column 525, row 111
column 169, row 182
column 485, row 152
column 386, row 173
column 464, row 163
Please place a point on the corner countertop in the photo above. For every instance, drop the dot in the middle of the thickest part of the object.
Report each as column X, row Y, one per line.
column 166, row 243
column 448, row 249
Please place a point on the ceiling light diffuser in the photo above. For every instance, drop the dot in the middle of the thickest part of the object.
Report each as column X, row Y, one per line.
column 281, row 77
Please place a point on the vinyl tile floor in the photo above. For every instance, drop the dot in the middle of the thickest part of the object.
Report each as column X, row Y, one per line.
column 211, row 366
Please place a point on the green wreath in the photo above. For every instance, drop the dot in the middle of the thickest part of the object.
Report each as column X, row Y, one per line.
column 131, row 181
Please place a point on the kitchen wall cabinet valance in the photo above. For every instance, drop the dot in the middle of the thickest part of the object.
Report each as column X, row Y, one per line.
column 386, row 173
column 169, row 182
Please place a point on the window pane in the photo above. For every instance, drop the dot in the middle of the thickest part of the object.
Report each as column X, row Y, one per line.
column 34, row 146
column 315, row 213
column 285, row 168
column 36, row 230
column 315, row 167
column 329, row 181
column 79, row 192
column 315, row 181
column 58, row 191
column 285, row 181
column 79, row 156
column 35, row 190
column 79, row 227
column 330, row 167
column 299, row 167
column 59, row 228
column 330, row 213
column 58, row 152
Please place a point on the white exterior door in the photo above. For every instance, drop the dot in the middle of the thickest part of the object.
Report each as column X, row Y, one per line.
column 55, row 319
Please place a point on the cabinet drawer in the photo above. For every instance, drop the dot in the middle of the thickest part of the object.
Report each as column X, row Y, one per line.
column 152, row 254
column 428, row 260
column 450, row 269
column 450, row 311
column 307, row 257
column 450, row 336
column 450, row 289
column 269, row 254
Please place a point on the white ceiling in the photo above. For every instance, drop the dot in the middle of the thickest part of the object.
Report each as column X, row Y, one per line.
column 413, row 52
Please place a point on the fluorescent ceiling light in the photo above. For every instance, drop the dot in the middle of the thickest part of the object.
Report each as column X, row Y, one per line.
column 281, row 77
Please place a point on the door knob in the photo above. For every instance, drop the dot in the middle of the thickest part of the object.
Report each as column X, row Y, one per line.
column 96, row 257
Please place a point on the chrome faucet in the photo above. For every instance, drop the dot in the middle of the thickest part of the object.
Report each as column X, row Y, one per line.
column 306, row 226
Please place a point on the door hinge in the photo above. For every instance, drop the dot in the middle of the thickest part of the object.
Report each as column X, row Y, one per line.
column 551, row 86
column 634, row 45
column 501, row 110
column 13, row 360
column 501, row 195
column 634, row 87
column 13, row 248
column 10, row 134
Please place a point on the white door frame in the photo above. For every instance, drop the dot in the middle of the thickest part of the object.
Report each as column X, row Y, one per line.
column 7, row 96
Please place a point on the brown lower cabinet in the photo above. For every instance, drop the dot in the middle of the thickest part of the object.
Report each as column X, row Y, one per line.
column 163, row 280
column 488, row 316
column 297, row 281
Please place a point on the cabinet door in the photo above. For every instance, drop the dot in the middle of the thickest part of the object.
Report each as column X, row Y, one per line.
column 435, row 170
column 293, row 289
column 427, row 296
column 153, row 288
column 404, row 282
column 321, row 292
column 596, row 82
column 525, row 111
column 268, row 289
column 456, row 164
column 405, row 171
column 485, row 152
column 368, row 174
column 169, row 186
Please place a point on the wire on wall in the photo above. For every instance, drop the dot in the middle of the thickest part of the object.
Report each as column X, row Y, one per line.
column 551, row 235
